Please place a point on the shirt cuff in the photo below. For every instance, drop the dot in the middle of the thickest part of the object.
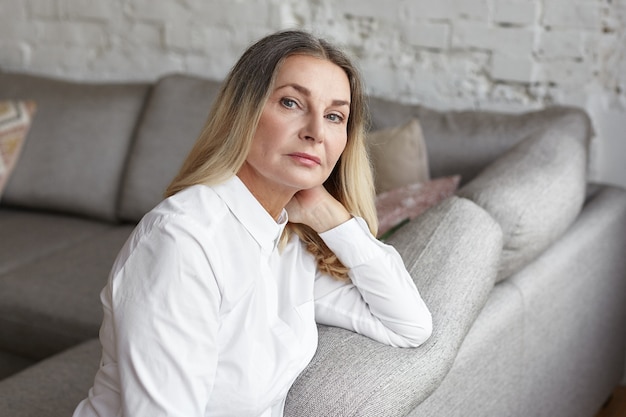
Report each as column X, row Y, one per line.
column 352, row 242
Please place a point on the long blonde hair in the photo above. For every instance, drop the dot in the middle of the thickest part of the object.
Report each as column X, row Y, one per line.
column 225, row 140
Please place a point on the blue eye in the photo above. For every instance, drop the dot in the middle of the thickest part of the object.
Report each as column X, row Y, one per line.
column 289, row 103
column 333, row 117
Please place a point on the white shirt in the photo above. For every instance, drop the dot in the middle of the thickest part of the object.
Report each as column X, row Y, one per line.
column 204, row 316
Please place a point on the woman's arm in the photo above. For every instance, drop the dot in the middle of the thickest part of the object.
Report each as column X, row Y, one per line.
column 381, row 300
column 165, row 318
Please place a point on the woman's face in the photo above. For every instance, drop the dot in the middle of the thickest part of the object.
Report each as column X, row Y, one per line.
column 303, row 127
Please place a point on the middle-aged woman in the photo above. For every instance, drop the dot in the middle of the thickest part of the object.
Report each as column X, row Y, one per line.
column 269, row 227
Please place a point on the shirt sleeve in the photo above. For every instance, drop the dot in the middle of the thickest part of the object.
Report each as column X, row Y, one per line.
column 165, row 304
column 380, row 300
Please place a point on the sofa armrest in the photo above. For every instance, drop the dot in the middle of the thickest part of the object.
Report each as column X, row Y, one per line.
column 452, row 252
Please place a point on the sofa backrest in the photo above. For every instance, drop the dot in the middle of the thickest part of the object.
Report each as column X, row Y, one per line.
column 109, row 150
column 74, row 157
column 174, row 117
column 464, row 142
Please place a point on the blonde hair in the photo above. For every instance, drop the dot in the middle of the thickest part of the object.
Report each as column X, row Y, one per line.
column 225, row 140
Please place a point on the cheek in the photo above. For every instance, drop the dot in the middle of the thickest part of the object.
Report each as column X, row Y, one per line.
column 336, row 149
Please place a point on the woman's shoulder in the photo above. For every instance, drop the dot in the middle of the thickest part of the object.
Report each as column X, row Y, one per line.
column 197, row 207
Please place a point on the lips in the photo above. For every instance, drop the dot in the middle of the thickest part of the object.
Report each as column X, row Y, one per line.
column 306, row 157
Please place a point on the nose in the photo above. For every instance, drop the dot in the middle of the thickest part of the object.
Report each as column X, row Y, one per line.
column 313, row 129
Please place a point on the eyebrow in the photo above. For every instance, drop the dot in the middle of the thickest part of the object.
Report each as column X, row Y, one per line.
column 307, row 92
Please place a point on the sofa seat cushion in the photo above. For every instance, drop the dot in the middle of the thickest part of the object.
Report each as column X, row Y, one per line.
column 452, row 252
column 53, row 303
column 535, row 191
column 574, row 295
column 53, row 387
column 76, row 150
column 29, row 235
column 175, row 114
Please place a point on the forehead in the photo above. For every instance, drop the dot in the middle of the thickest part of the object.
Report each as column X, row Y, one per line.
column 316, row 74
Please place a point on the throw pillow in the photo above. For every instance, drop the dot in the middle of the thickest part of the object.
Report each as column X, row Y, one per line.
column 397, row 206
column 15, row 121
column 534, row 191
column 398, row 156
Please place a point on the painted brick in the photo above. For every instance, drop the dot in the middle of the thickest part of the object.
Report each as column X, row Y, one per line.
column 560, row 44
column 428, row 35
column 444, row 53
column 209, row 67
column 70, row 33
column 447, row 9
column 16, row 31
column 515, row 12
column 564, row 72
column 226, row 12
column 572, row 15
column 89, row 9
column 145, row 35
column 179, row 37
column 378, row 80
column 391, row 11
column 61, row 60
column 471, row 9
column 42, row 8
column 287, row 16
column 195, row 38
column 15, row 9
column 512, row 68
column 15, row 55
column 170, row 11
column 509, row 40
column 428, row 9
column 142, row 63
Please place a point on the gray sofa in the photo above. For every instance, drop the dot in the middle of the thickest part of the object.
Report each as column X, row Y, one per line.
column 524, row 269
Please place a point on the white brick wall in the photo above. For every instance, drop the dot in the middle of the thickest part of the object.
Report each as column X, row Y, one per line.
column 509, row 55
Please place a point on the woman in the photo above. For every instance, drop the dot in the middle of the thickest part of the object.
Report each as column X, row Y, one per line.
column 211, row 306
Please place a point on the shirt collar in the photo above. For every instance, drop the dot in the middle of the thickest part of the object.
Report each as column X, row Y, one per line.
column 251, row 214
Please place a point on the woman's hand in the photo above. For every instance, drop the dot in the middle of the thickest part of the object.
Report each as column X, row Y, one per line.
column 317, row 209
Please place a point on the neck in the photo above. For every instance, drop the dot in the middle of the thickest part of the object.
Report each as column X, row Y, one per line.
column 272, row 199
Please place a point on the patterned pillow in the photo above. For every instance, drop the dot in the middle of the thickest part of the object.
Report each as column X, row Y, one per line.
column 398, row 206
column 15, row 121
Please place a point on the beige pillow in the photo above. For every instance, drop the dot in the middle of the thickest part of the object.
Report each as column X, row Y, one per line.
column 398, row 156
column 15, row 121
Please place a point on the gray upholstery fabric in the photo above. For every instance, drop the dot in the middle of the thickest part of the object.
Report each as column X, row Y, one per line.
column 53, row 387
column 175, row 115
column 53, row 303
column 27, row 236
column 534, row 191
column 74, row 155
column 452, row 252
column 579, row 284
column 486, row 377
column 11, row 364
column 464, row 142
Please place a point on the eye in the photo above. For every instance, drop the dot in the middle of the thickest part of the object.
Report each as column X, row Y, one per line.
column 288, row 103
column 335, row 117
